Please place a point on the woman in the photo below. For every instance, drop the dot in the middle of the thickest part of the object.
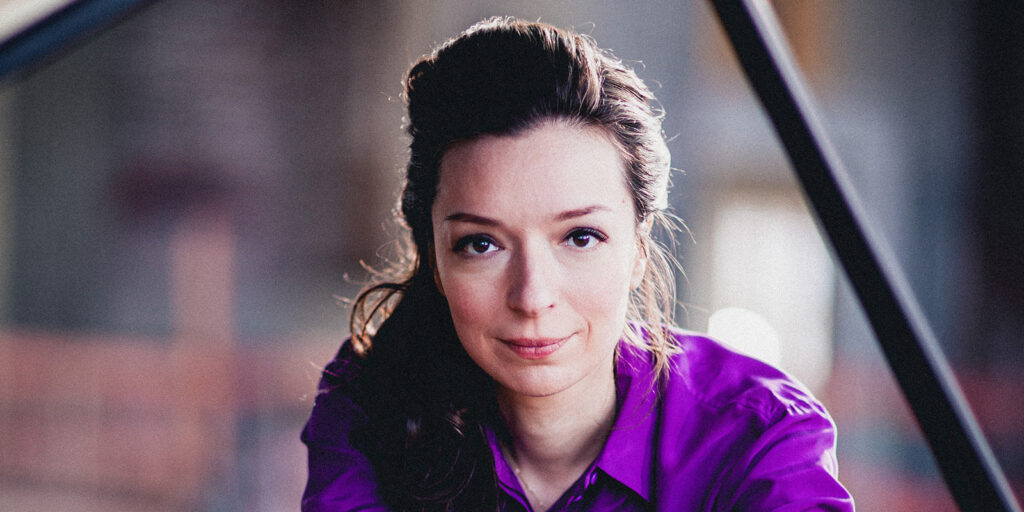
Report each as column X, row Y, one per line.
column 521, row 358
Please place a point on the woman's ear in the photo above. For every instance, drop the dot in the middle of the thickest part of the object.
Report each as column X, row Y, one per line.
column 433, row 268
column 643, row 239
column 639, row 262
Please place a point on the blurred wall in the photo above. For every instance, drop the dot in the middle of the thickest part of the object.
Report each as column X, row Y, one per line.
column 184, row 198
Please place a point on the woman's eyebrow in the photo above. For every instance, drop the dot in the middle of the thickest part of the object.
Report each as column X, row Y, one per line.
column 471, row 218
column 580, row 212
column 486, row 221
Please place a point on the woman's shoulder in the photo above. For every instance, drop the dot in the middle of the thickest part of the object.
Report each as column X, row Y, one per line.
column 721, row 379
column 334, row 409
column 340, row 475
column 739, row 433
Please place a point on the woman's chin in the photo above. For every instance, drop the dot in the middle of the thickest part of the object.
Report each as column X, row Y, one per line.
column 537, row 382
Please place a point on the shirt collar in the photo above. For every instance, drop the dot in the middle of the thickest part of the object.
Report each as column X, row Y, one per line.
column 628, row 455
column 506, row 476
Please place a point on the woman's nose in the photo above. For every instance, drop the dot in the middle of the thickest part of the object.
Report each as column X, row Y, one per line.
column 533, row 288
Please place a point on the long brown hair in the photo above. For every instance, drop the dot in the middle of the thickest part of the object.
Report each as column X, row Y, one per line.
column 427, row 401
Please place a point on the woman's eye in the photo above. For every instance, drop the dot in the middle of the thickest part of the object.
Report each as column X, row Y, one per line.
column 585, row 238
column 475, row 244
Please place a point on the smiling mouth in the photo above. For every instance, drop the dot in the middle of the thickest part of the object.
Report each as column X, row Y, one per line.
column 535, row 348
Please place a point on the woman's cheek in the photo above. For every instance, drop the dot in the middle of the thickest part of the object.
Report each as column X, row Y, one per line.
column 604, row 282
column 469, row 302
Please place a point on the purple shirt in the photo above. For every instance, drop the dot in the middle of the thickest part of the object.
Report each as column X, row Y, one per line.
column 728, row 433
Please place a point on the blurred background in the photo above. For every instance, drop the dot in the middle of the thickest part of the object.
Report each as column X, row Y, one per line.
column 185, row 198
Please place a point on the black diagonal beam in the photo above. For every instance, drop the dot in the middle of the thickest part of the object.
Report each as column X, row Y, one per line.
column 960, row 449
column 69, row 25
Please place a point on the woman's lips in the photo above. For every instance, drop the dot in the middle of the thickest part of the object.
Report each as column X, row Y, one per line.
column 535, row 348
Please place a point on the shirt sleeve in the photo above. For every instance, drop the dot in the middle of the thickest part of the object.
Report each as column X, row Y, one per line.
column 340, row 476
column 792, row 466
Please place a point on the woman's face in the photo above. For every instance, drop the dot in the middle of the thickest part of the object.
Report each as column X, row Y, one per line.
column 536, row 250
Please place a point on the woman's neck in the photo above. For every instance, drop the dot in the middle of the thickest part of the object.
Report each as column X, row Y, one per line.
column 555, row 438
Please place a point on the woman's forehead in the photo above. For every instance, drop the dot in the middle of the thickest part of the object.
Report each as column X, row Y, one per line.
column 553, row 166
